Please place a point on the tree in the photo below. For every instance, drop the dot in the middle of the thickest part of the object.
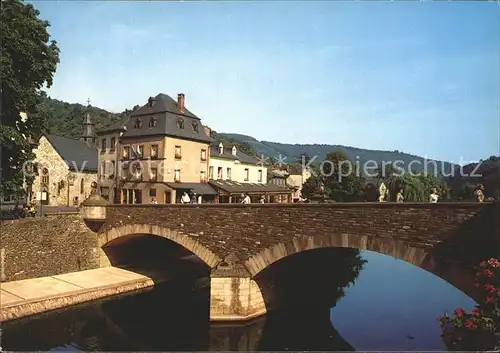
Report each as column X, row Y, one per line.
column 416, row 188
column 466, row 178
column 342, row 178
column 28, row 62
column 311, row 186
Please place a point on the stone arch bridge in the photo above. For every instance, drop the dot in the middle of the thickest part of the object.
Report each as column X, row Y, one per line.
column 239, row 241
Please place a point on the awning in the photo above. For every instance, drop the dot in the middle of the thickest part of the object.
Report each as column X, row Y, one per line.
column 234, row 187
column 197, row 188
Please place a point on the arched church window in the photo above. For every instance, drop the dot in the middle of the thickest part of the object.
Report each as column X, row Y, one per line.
column 45, row 176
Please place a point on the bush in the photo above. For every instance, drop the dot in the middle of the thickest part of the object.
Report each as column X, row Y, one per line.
column 478, row 330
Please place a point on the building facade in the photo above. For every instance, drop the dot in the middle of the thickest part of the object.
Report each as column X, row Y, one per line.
column 155, row 155
column 296, row 178
column 64, row 168
column 233, row 173
column 227, row 163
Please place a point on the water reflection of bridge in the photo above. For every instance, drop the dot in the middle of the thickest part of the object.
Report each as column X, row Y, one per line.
column 126, row 325
column 173, row 316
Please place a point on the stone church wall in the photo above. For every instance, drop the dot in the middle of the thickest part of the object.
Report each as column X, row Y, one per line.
column 59, row 177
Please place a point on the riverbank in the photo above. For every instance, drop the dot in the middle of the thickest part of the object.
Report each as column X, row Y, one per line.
column 37, row 295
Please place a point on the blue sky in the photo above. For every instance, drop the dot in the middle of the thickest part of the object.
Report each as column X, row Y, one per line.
column 422, row 78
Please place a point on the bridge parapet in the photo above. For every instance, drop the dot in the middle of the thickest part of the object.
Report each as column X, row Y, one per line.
column 247, row 230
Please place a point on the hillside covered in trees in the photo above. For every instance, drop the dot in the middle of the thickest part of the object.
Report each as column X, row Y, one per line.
column 465, row 180
column 65, row 119
column 319, row 152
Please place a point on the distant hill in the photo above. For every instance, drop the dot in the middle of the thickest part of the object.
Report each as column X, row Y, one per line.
column 65, row 119
column 293, row 153
column 465, row 179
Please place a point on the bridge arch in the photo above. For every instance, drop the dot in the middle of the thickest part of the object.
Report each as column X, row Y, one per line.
column 185, row 241
column 418, row 256
column 387, row 246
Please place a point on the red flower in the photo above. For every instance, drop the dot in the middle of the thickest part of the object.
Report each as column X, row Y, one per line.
column 489, row 300
column 470, row 324
column 476, row 284
column 488, row 273
column 494, row 262
column 490, row 288
column 459, row 312
column 476, row 312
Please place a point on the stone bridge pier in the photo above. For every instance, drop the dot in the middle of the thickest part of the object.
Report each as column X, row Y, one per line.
column 237, row 242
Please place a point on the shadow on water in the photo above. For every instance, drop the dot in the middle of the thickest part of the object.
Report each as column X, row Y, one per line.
column 170, row 318
column 300, row 290
column 174, row 315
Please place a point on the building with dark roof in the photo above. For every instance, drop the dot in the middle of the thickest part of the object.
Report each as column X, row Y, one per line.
column 155, row 154
column 233, row 173
column 65, row 168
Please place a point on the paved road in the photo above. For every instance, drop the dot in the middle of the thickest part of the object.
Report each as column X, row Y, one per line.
column 56, row 209
column 45, row 209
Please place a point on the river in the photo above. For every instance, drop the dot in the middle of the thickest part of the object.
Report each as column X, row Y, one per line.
column 353, row 301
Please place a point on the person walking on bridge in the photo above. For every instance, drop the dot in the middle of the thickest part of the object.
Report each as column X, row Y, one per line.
column 399, row 197
column 185, row 198
column 245, row 198
column 434, row 196
column 479, row 193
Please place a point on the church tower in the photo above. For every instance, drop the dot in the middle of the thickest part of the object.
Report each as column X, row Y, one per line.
column 88, row 126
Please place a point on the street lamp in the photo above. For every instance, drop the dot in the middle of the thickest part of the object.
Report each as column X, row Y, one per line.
column 71, row 182
column 94, row 189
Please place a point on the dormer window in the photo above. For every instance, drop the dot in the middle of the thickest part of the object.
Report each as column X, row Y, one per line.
column 221, row 148
column 152, row 122
column 138, row 124
column 233, row 151
column 195, row 126
column 180, row 124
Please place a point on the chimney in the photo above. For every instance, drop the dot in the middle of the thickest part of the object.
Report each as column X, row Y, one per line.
column 208, row 130
column 180, row 102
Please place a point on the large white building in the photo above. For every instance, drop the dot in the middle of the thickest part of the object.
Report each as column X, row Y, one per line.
column 227, row 163
column 233, row 173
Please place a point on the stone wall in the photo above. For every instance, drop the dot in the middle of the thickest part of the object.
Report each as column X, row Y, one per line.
column 47, row 157
column 235, row 298
column 52, row 245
